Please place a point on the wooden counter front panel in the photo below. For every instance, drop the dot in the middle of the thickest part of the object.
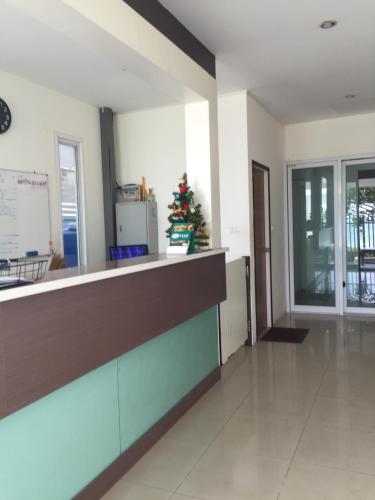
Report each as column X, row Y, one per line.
column 48, row 340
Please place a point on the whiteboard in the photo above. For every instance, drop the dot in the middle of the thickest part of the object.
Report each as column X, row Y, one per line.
column 24, row 214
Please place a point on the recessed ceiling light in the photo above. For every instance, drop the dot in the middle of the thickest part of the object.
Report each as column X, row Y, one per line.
column 350, row 96
column 326, row 25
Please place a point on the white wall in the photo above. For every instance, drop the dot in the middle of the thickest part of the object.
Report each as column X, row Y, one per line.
column 234, row 175
column 37, row 114
column 152, row 143
column 349, row 135
column 248, row 132
column 197, row 133
column 266, row 146
column 235, row 223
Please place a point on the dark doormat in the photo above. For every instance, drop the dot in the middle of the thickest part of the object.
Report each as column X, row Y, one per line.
column 279, row 334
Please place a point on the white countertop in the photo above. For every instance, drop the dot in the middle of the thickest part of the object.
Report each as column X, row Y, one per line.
column 56, row 280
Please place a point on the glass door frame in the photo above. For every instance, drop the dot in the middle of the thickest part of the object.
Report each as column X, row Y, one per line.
column 344, row 163
column 337, row 189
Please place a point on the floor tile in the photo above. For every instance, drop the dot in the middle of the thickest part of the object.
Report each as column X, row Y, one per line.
column 348, row 449
column 343, row 413
column 234, row 363
column 223, row 475
column 198, row 426
column 165, row 465
column 292, row 384
column 353, row 363
column 352, row 385
column 225, row 398
column 311, row 482
column 249, row 374
column 263, row 403
column 177, row 496
column 268, row 437
column 128, row 491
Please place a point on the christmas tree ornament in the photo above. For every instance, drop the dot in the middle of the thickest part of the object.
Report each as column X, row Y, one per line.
column 184, row 210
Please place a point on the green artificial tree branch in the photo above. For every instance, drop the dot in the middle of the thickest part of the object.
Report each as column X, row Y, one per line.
column 184, row 210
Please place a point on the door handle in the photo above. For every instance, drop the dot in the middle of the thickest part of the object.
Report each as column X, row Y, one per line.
column 267, row 250
column 120, row 228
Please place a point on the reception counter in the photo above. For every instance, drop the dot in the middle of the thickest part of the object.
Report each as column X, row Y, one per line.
column 96, row 364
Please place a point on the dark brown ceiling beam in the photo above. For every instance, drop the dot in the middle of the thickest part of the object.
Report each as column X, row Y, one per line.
column 160, row 17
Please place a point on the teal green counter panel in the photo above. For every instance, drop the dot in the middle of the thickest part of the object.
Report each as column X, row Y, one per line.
column 156, row 375
column 52, row 448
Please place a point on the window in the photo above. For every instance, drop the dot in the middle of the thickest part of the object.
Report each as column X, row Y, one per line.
column 312, row 223
column 324, row 202
column 308, row 200
column 68, row 153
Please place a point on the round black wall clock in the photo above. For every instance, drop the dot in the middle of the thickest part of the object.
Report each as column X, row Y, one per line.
column 5, row 116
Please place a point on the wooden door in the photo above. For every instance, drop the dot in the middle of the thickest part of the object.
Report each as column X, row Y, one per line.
column 261, row 247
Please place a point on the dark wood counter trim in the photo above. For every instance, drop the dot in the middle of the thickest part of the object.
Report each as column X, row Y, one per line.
column 104, row 482
column 50, row 339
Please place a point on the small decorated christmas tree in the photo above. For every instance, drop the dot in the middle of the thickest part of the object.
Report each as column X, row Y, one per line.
column 184, row 210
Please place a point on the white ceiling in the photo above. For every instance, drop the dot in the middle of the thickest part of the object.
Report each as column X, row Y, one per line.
column 63, row 51
column 276, row 50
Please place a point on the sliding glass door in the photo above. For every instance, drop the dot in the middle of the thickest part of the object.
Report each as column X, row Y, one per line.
column 331, row 222
column 312, row 237
column 359, row 234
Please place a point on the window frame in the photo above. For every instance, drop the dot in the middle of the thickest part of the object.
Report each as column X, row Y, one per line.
column 77, row 143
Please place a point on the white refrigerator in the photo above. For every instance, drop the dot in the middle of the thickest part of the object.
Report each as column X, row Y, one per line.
column 137, row 224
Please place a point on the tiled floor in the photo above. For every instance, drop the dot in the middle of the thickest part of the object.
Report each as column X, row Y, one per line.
column 286, row 422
